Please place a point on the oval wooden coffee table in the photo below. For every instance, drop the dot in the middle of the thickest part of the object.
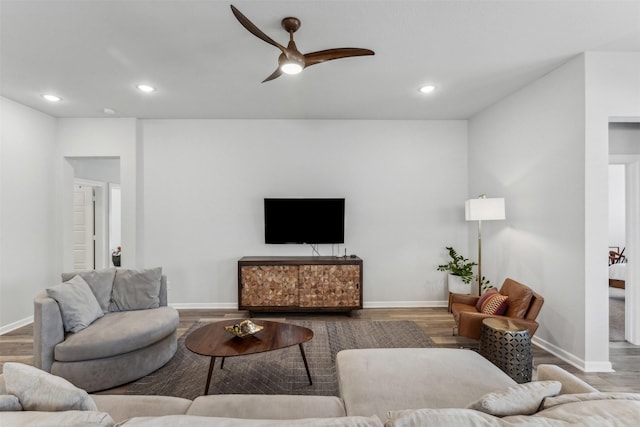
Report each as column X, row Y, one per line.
column 214, row 341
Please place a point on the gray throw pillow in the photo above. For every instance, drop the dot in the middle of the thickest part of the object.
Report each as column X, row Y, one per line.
column 78, row 305
column 136, row 289
column 100, row 282
column 521, row 399
column 38, row 390
column 9, row 402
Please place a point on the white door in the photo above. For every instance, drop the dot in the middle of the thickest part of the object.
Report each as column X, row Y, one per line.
column 83, row 228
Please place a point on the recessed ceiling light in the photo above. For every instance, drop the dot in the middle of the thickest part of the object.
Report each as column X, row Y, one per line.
column 146, row 88
column 51, row 98
column 109, row 111
column 427, row 88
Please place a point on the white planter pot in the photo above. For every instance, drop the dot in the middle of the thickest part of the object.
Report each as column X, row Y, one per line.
column 457, row 286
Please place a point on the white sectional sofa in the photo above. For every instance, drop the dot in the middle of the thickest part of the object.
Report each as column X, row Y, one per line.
column 379, row 387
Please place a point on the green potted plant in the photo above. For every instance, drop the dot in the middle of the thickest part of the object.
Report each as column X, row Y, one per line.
column 458, row 266
column 460, row 272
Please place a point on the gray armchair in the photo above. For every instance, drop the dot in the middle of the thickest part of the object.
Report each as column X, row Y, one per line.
column 115, row 349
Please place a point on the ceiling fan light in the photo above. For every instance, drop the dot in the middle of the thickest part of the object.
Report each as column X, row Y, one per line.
column 291, row 68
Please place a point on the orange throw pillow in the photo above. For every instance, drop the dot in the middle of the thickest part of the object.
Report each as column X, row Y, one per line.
column 484, row 297
column 495, row 304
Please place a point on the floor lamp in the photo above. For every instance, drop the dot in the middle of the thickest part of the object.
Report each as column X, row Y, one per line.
column 483, row 209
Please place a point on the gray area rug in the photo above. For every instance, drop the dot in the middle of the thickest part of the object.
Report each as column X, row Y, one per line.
column 279, row 371
column 616, row 314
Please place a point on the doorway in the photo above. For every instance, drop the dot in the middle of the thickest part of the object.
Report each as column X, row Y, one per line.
column 617, row 251
column 624, row 150
column 95, row 212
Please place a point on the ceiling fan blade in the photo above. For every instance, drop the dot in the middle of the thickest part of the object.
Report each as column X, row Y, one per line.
column 255, row 30
column 330, row 54
column 273, row 75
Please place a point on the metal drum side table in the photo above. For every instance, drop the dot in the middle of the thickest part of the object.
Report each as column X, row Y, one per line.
column 507, row 345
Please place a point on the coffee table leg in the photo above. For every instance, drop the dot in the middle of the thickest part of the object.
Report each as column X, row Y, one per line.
column 222, row 364
column 206, row 388
column 306, row 365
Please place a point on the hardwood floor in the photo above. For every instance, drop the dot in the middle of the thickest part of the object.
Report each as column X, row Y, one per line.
column 17, row 346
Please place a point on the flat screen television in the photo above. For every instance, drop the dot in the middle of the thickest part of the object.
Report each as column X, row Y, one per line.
column 303, row 220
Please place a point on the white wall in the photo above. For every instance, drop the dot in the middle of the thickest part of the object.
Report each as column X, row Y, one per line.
column 405, row 183
column 27, row 210
column 624, row 138
column 108, row 138
column 612, row 92
column 104, row 170
column 529, row 149
column 545, row 149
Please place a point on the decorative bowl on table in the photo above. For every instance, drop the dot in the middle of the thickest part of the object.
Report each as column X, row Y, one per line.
column 244, row 328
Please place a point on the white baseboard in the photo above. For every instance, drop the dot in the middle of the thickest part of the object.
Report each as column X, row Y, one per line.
column 598, row 366
column 374, row 304
column 15, row 325
column 405, row 304
column 210, row 305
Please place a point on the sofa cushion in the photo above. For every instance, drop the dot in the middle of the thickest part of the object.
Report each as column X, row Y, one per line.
column 253, row 406
column 449, row 417
column 457, row 308
column 495, row 305
column 519, row 298
column 100, row 282
column 9, row 402
column 136, row 289
column 582, row 397
column 78, row 305
column 516, row 400
column 196, row 421
column 118, row 333
column 593, row 413
column 375, row 381
column 122, row 407
column 49, row 419
column 38, row 390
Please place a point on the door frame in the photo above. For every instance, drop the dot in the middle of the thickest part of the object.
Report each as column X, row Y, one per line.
column 101, row 221
column 632, row 237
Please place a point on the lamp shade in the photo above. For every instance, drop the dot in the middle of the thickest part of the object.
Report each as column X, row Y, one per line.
column 484, row 209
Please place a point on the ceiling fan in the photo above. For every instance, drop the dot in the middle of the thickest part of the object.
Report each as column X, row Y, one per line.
column 291, row 60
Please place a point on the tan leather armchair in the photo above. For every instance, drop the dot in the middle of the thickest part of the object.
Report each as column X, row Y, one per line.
column 523, row 306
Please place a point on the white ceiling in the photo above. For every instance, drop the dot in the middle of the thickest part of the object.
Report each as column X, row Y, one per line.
column 206, row 65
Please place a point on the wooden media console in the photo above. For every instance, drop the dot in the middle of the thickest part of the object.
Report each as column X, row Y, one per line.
column 320, row 283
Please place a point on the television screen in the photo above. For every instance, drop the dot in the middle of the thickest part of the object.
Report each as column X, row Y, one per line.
column 304, row 221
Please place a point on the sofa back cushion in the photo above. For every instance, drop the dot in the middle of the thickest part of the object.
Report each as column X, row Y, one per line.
column 48, row 419
column 519, row 298
column 136, row 289
column 78, row 305
column 198, row 421
column 100, row 282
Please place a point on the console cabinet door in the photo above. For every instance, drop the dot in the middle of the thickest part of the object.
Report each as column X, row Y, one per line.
column 329, row 286
column 269, row 285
